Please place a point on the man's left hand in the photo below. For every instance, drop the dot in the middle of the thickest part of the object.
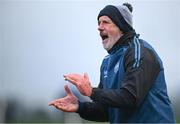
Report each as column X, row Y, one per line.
column 81, row 82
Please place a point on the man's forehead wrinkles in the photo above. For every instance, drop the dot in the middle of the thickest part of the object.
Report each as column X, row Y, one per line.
column 101, row 20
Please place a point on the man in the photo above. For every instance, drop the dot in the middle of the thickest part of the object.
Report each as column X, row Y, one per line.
column 132, row 86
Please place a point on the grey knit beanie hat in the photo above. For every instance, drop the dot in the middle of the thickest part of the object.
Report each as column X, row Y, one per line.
column 120, row 15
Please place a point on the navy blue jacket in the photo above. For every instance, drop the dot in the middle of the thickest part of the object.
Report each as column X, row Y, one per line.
column 132, row 86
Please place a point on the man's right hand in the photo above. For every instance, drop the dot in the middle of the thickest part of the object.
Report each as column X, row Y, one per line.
column 82, row 83
column 67, row 104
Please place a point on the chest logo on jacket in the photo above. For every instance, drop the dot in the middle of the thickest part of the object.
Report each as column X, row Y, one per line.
column 116, row 67
column 105, row 74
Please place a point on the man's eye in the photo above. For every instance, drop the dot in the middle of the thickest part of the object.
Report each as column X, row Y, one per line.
column 107, row 22
column 103, row 22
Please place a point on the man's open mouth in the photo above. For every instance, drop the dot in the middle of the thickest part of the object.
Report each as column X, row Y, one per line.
column 104, row 36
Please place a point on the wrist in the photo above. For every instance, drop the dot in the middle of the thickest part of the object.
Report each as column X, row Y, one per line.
column 90, row 92
column 80, row 107
column 95, row 94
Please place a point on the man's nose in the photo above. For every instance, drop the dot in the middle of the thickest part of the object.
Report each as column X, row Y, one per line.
column 100, row 27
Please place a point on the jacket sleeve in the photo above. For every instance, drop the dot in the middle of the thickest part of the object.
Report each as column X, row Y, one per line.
column 93, row 111
column 139, row 77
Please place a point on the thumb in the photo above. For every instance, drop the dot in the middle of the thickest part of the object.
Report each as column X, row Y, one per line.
column 86, row 76
column 68, row 91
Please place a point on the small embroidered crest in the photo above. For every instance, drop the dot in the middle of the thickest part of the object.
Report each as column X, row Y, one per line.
column 116, row 68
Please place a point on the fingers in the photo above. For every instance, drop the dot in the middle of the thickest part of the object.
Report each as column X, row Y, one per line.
column 68, row 91
column 62, row 107
column 86, row 76
column 53, row 102
column 70, row 80
column 73, row 77
column 58, row 105
column 58, row 101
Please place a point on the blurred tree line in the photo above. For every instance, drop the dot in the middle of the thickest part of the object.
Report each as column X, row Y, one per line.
column 16, row 112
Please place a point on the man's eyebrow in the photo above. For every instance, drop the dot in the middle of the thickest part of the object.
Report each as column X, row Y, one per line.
column 104, row 20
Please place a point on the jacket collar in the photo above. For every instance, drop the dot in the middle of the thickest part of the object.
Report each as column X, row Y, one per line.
column 123, row 41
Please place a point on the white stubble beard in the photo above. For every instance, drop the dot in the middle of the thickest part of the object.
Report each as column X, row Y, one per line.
column 108, row 43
